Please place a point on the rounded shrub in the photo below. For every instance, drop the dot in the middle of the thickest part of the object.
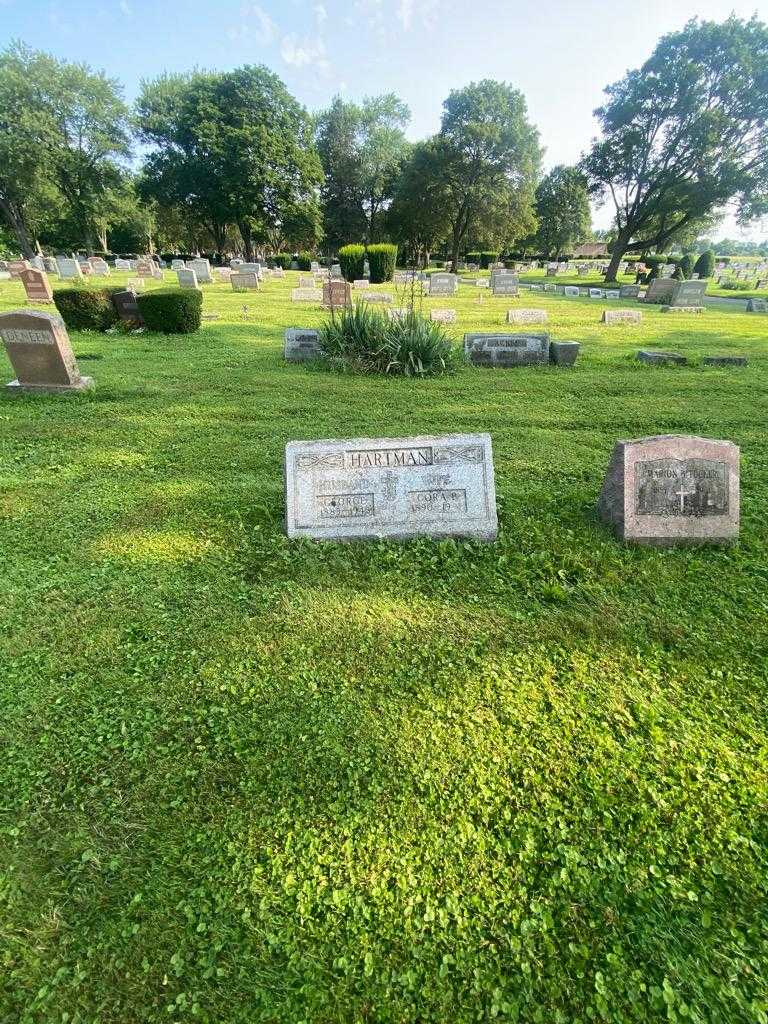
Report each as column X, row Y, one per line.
column 304, row 259
column 686, row 265
column 487, row 258
column 382, row 258
column 86, row 308
column 352, row 261
column 171, row 312
column 282, row 260
column 705, row 264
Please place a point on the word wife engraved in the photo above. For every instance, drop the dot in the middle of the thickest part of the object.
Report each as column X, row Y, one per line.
column 366, row 488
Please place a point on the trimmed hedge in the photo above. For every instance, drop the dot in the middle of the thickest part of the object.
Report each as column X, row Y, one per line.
column 282, row 260
column 86, row 308
column 171, row 312
column 352, row 261
column 381, row 262
column 686, row 265
column 487, row 258
column 304, row 259
column 705, row 265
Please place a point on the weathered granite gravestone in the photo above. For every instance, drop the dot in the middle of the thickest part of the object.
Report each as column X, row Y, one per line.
column 629, row 291
column 202, row 269
column 682, row 309
column 571, row 290
column 121, row 264
column 564, row 353
column 443, row 316
column 40, row 352
column 361, row 282
column 336, row 294
column 178, row 265
column 127, row 307
column 301, row 344
column 672, row 489
column 527, row 316
column 366, row 488
column 69, row 270
column 757, row 306
column 249, row 268
column 688, row 293
column 188, row 278
column 660, row 291
column 613, row 316
column 50, row 265
column 224, row 274
column 596, row 293
column 36, row 285
column 305, row 281
column 506, row 350
column 724, row 361
column 99, row 266
column 244, row 282
column 662, row 358
column 145, row 267
column 443, row 284
column 505, row 284
column 306, row 294
column 380, row 297
column 16, row 267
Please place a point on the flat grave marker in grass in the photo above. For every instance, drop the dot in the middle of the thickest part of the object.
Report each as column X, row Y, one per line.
column 40, row 352
column 612, row 316
column 398, row 488
column 526, row 316
column 506, row 350
column 672, row 489
column 757, row 306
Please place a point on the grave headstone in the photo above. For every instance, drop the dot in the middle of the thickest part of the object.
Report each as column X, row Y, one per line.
column 660, row 292
column 361, row 282
column 443, row 316
column 376, row 297
column 50, row 265
column 724, row 361
column 178, row 265
column 682, row 309
column 306, row 281
column 505, row 284
column 300, row 344
column 36, row 285
column 662, row 358
column 757, row 306
column 16, row 267
column 127, row 307
column 69, row 270
column 202, row 269
column 688, row 293
column 672, row 489
column 187, row 278
column 305, row 294
column 145, row 267
column 629, row 291
column 596, row 293
column 506, row 350
column 336, row 294
column 243, row 282
column 614, row 316
column 443, row 284
column 40, row 352
column 571, row 291
column 527, row 316
column 398, row 488
column 564, row 353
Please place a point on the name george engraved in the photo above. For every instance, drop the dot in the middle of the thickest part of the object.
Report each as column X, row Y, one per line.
column 437, row 501
column 388, row 458
column 344, row 506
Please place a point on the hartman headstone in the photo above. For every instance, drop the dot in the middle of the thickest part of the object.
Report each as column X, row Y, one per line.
column 672, row 489
column 506, row 350
column 301, row 344
column 40, row 352
column 398, row 488
column 36, row 285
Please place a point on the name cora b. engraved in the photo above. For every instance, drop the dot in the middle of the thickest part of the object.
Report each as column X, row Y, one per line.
column 686, row 487
column 437, row 501
column 344, row 506
column 20, row 336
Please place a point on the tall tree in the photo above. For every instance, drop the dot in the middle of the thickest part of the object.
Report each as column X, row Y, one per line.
column 685, row 134
column 232, row 148
column 63, row 131
column 418, row 218
column 486, row 152
column 363, row 148
column 562, row 206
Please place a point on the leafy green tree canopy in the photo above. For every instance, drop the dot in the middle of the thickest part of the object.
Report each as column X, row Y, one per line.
column 562, row 207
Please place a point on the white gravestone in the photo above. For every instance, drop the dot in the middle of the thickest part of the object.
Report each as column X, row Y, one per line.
column 187, row 278
column 443, row 316
column 202, row 269
column 244, row 282
column 69, row 270
column 398, row 488
column 571, row 290
column 631, row 316
column 527, row 316
column 307, row 295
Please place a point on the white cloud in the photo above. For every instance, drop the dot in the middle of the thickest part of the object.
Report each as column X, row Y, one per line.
column 125, row 8
column 301, row 53
column 256, row 26
column 408, row 9
column 320, row 13
column 405, row 13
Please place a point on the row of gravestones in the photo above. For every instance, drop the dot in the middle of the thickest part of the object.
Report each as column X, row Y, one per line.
column 662, row 490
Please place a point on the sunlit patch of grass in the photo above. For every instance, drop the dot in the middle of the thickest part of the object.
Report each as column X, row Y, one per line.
column 151, row 546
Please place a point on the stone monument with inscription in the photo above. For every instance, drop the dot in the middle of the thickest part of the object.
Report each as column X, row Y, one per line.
column 300, row 344
column 41, row 354
column 36, row 285
column 672, row 489
column 506, row 350
column 397, row 488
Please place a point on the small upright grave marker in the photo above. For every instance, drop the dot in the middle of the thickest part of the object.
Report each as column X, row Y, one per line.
column 527, row 316
column 36, row 285
column 506, row 350
column 301, row 344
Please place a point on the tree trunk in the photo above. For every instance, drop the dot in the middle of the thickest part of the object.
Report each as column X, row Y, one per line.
column 103, row 239
column 619, row 248
column 245, row 231
column 455, row 250
column 16, row 220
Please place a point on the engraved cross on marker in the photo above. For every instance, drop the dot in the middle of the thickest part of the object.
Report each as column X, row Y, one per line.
column 682, row 494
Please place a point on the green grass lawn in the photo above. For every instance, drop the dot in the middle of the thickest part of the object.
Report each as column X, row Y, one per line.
column 251, row 780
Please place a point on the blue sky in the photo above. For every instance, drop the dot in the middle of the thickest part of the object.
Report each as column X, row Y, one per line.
column 560, row 54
